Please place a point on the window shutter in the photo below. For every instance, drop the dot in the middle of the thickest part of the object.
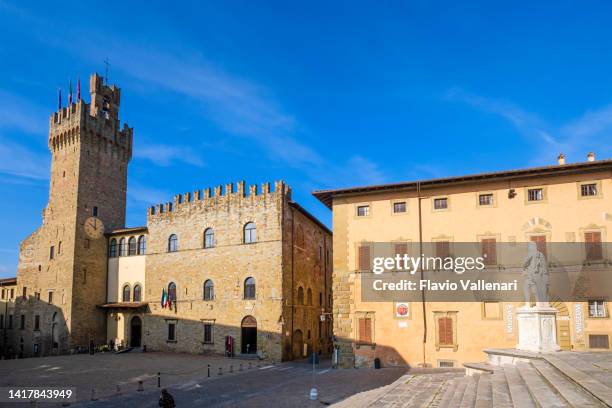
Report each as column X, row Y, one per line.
column 488, row 249
column 593, row 245
column 365, row 330
column 364, row 258
column 445, row 330
column 442, row 249
column 401, row 249
column 540, row 241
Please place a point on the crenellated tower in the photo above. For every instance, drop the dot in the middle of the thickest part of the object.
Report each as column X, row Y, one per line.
column 90, row 151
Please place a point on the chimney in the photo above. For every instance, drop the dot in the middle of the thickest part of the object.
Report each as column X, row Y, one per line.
column 561, row 159
column 591, row 157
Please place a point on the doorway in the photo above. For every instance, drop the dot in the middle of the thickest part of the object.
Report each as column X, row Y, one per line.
column 298, row 344
column 248, row 330
column 135, row 332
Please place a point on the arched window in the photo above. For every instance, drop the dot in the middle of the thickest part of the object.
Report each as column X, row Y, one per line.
column 122, row 247
column 172, row 243
column 249, row 288
column 250, row 233
column 132, row 246
column 300, row 299
column 112, row 248
column 142, row 245
column 209, row 238
column 126, row 293
column 137, row 293
column 309, row 297
column 209, row 290
column 172, row 291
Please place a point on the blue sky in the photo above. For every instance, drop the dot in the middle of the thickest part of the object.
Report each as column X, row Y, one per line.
column 319, row 94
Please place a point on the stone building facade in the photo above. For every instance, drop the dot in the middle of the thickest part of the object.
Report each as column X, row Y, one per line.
column 551, row 206
column 251, row 268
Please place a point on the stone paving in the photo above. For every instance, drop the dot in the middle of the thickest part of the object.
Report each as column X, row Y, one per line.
column 418, row 388
column 185, row 376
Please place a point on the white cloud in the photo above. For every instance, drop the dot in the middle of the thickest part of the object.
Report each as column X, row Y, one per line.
column 165, row 155
column 20, row 161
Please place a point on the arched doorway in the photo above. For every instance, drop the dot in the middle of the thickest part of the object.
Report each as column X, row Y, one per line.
column 563, row 324
column 248, row 338
column 55, row 333
column 135, row 331
column 298, row 344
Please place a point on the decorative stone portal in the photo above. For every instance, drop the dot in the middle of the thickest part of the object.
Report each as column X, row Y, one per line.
column 249, row 335
column 537, row 329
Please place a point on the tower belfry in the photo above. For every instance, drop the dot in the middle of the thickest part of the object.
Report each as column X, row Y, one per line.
column 90, row 152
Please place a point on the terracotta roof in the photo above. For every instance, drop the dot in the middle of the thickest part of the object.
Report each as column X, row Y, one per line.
column 8, row 281
column 326, row 196
column 124, row 305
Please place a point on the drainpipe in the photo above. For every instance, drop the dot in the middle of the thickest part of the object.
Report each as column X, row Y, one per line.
column 419, row 198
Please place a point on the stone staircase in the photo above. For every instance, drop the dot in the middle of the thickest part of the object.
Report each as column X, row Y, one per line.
column 516, row 379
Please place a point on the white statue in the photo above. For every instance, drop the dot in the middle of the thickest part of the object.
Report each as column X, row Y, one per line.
column 536, row 275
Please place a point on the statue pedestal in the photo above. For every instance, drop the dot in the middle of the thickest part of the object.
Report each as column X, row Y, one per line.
column 537, row 329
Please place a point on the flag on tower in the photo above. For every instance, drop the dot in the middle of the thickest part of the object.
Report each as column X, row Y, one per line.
column 78, row 89
column 59, row 99
column 70, row 93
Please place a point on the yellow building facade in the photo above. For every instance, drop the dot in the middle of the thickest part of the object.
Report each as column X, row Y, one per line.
column 554, row 204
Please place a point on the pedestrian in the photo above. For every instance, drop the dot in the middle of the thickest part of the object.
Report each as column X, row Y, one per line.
column 166, row 400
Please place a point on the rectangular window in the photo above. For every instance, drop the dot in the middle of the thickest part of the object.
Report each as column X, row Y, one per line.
column 3, row 293
column 37, row 322
column 52, row 252
column 446, row 364
column 365, row 330
column 59, row 248
column 440, row 203
column 597, row 308
column 599, row 341
column 363, row 210
column 592, row 242
column 489, row 251
column 94, row 211
column 24, row 292
column 37, row 295
column 208, row 333
column 22, row 322
column 588, row 190
column 364, row 258
column 12, row 293
column 535, row 194
column 485, row 199
column 51, row 298
column 445, row 331
column 86, row 243
column 171, row 331
column 399, row 207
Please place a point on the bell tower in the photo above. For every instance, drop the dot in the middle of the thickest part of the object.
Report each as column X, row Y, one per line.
column 90, row 152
